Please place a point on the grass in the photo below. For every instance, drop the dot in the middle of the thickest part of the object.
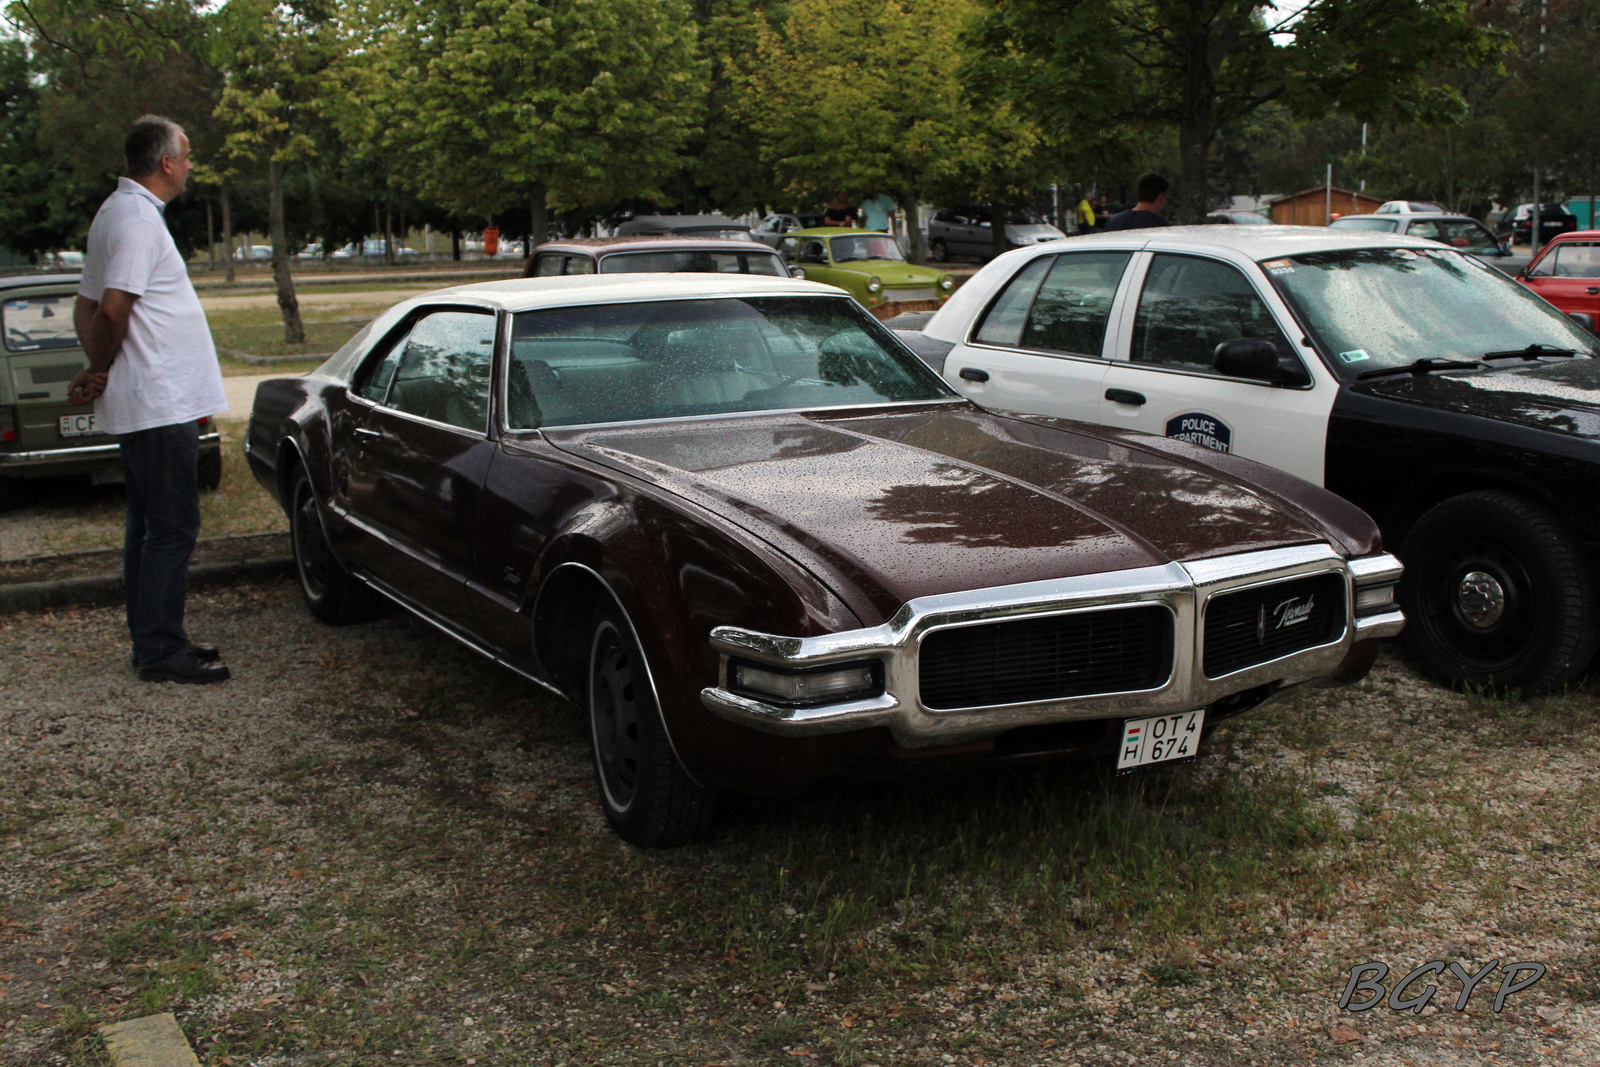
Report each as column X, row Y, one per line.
column 259, row 331
column 67, row 515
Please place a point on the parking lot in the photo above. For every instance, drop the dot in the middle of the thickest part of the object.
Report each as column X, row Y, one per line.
column 371, row 846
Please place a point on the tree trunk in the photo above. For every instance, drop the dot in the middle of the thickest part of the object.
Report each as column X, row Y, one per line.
column 538, row 216
column 388, row 235
column 1196, row 132
column 227, row 234
column 211, row 239
column 294, row 332
column 997, row 229
column 916, row 247
column 455, row 240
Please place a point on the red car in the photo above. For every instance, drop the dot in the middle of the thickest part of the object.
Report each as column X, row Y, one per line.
column 1567, row 273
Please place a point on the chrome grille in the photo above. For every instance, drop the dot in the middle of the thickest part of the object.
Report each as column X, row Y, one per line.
column 1259, row 624
column 1053, row 657
column 899, row 295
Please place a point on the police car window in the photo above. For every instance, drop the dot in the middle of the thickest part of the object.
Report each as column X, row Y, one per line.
column 1074, row 303
column 1189, row 306
column 443, row 374
column 1002, row 324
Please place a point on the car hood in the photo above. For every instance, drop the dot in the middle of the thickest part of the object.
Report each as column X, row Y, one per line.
column 1560, row 395
column 892, row 271
column 896, row 504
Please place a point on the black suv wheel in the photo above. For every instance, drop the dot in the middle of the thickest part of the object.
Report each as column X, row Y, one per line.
column 1497, row 594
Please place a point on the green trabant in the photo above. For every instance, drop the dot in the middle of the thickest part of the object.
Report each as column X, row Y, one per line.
column 867, row 265
column 42, row 434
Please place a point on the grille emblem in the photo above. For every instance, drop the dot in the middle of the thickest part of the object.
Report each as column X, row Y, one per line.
column 1287, row 613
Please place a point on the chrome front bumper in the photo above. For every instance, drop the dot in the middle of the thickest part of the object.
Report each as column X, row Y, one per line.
column 1182, row 589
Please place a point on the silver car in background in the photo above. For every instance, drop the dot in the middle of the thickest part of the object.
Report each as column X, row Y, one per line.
column 965, row 231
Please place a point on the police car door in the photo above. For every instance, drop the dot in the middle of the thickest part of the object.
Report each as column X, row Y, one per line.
column 1040, row 345
column 1162, row 381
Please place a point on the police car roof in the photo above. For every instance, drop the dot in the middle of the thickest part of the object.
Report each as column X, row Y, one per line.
column 1257, row 242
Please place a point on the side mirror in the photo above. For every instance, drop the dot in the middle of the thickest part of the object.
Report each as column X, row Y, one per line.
column 1257, row 359
column 1582, row 318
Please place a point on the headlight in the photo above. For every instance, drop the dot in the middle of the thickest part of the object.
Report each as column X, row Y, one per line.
column 823, row 685
column 873, row 285
column 947, row 282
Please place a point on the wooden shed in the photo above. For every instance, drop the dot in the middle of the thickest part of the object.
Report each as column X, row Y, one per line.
column 1309, row 207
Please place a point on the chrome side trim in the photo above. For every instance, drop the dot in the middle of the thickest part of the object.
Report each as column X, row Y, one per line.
column 1371, row 627
column 78, row 453
column 1376, row 570
column 1183, row 589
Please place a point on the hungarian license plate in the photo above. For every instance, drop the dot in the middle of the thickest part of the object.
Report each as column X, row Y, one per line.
column 78, row 425
column 1160, row 738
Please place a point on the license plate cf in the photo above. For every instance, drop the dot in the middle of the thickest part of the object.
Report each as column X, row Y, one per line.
column 1160, row 738
column 78, row 425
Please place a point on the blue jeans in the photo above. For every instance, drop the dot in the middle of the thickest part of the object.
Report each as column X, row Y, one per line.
column 163, row 524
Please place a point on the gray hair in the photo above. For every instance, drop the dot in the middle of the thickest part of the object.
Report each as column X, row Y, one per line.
column 149, row 140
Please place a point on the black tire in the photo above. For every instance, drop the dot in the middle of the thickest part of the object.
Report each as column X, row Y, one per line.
column 1497, row 594
column 210, row 470
column 939, row 251
column 331, row 593
column 646, row 795
column 10, row 493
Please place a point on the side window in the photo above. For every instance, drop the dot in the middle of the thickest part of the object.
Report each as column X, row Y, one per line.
column 580, row 265
column 1577, row 261
column 546, row 266
column 375, row 386
column 813, row 252
column 1546, row 266
column 1189, row 306
column 443, row 374
column 1074, row 303
column 1002, row 324
column 1466, row 234
column 787, row 248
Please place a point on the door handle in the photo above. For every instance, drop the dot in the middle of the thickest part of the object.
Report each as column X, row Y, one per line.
column 973, row 374
column 1593, row 290
column 362, row 431
column 1125, row 396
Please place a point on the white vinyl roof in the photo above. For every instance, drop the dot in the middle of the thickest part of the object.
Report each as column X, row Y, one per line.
column 1257, row 242
column 525, row 294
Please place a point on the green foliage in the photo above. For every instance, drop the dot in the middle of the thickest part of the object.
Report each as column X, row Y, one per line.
column 494, row 101
column 42, row 206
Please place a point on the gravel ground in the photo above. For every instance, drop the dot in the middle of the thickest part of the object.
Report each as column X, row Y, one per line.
column 371, row 847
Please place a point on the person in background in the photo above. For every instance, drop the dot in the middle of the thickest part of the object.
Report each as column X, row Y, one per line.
column 152, row 376
column 1102, row 211
column 839, row 212
column 1085, row 215
column 1152, row 193
column 877, row 212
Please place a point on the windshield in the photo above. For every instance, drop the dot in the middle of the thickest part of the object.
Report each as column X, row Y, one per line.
column 859, row 249
column 1388, row 307
column 692, row 262
column 675, row 359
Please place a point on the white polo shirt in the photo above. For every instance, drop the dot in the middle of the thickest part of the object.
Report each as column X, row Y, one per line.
column 166, row 371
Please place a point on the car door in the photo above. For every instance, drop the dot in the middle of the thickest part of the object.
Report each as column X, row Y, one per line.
column 1040, row 345
column 421, row 451
column 1162, row 380
column 1568, row 275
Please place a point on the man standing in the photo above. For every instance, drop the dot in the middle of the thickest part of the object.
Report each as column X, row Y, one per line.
column 877, row 212
column 152, row 376
column 1152, row 193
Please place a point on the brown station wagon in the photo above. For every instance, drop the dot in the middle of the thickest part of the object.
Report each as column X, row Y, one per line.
column 762, row 544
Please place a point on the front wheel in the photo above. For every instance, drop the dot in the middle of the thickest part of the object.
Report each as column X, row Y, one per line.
column 331, row 593
column 1497, row 593
column 646, row 794
column 938, row 250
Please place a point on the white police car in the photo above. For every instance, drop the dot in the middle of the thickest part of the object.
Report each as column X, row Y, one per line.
column 1459, row 410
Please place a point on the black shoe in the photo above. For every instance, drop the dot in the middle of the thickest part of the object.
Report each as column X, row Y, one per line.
column 203, row 653
column 186, row 665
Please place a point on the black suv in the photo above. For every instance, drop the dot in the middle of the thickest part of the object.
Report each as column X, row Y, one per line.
column 1553, row 221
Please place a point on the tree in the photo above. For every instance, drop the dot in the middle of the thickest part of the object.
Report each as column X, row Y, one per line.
column 868, row 93
column 1197, row 66
column 546, row 103
column 277, row 58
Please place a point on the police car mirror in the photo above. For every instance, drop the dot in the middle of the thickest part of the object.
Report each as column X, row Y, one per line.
column 1247, row 357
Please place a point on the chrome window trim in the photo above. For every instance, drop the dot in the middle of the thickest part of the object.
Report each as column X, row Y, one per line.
column 866, row 409
column 1184, row 589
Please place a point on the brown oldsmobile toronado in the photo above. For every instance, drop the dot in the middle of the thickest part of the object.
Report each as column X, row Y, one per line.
column 762, row 543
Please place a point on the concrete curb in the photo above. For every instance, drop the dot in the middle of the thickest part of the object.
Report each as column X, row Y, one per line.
column 100, row 590
column 271, row 361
